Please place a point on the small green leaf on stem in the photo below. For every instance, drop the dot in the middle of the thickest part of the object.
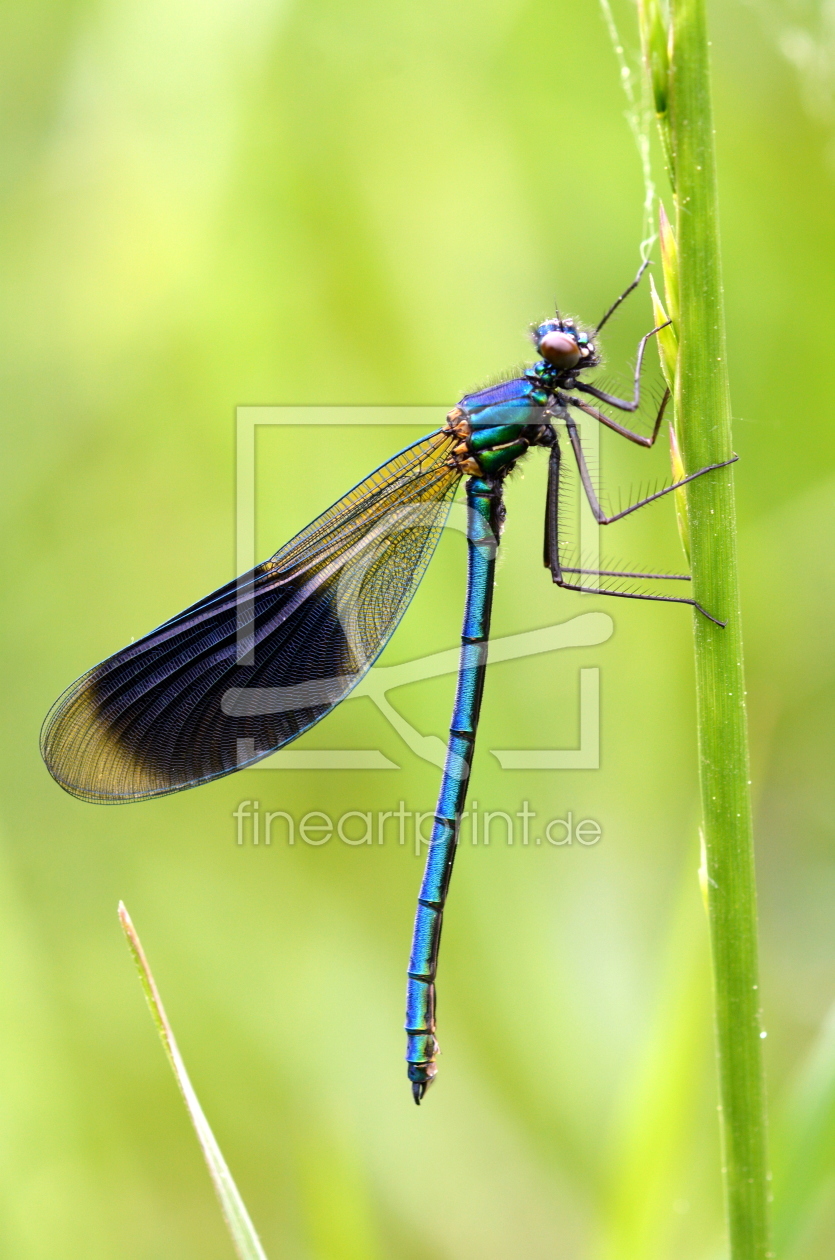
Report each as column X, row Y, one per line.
column 654, row 42
column 657, row 45
column 666, row 338
column 680, row 495
column 668, row 355
column 669, row 263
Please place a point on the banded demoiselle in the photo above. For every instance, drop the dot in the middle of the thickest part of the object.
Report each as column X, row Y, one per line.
column 246, row 670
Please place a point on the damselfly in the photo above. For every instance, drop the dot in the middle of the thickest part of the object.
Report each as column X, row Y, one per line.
column 253, row 665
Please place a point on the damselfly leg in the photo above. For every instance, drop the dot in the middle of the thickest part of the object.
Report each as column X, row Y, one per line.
column 599, row 515
column 552, row 541
column 640, row 439
column 630, row 288
column 624, row 404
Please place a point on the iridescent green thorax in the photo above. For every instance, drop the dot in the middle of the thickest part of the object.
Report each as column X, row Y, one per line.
column 545, row 381
column 496, row 427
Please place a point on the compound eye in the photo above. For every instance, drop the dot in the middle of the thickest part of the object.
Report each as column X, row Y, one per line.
column 559, row 350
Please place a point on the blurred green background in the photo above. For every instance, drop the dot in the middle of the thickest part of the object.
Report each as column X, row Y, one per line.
column 252, row 201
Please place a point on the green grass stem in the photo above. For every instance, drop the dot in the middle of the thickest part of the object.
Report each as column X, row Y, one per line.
column 703, row 421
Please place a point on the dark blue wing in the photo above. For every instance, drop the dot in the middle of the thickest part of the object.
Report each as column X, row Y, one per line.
column 248, row 668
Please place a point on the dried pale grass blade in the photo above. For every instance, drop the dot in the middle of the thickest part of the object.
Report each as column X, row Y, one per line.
column 237, row 1218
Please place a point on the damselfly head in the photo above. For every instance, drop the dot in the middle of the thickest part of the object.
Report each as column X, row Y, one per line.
column 557, row 341
column 562, row 345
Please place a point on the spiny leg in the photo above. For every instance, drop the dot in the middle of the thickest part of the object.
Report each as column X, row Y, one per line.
column 552, row 549
column 599, row 515
column 629, row 289
column 624, row 404
column 627, row 573
column 551, row 523
column 663, row 599
column 640, row 439
column 552, row 499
